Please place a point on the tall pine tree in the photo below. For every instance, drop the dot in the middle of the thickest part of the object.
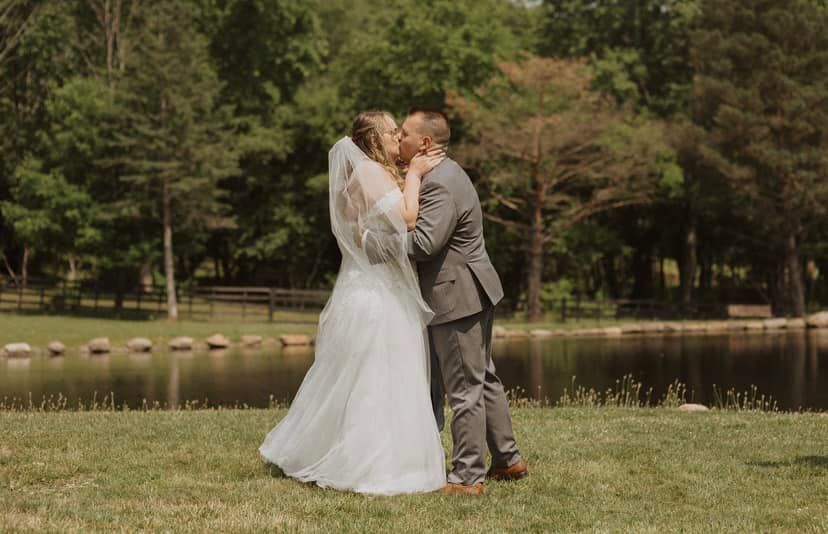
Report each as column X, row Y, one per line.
column 762, row 85
column 175, row 143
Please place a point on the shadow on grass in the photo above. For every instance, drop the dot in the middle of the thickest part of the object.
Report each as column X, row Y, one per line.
column 809, row 461
column 274, row 470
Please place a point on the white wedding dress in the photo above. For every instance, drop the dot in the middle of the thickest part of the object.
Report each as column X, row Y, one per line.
column 362, row 419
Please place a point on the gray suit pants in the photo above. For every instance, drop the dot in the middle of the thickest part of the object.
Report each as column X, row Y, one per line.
column 480, row 411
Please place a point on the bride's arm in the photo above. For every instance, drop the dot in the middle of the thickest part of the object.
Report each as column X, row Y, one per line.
column 420, row 165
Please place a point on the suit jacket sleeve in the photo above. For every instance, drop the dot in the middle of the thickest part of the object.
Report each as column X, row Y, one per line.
column 435, row 222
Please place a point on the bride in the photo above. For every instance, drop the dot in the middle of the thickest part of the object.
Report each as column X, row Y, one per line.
column 362, row 419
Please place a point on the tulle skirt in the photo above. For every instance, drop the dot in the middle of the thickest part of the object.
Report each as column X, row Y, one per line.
column 362, row 419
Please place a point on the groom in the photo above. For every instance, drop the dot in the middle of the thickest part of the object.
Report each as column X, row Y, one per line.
column 462, row 287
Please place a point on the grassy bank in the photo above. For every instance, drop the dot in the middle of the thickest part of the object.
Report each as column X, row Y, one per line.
column 39, row 330
column 605, row 469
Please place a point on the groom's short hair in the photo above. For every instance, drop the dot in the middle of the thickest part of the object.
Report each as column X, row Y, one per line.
column 434, row 123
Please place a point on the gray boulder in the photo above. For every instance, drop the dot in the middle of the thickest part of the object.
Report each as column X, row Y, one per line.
column 498, row 332
column 139, row 344
column 18, row 350
column 589, row 332
column 632, row 328
column 181, row 343
column 218, row 341
column 797, row 324
column 775, row 324
column 690, row 407
column 100, row 345
column 289, row 340
column 56, row 347
column 716, row 327
column 818, row 320
column 653, row 327
column 541, row 333
column 517, row 333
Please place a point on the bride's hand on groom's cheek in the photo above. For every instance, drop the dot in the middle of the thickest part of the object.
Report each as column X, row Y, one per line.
column 426, row 160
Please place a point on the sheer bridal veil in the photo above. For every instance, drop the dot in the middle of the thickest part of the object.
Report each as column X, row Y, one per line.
column 367, row 223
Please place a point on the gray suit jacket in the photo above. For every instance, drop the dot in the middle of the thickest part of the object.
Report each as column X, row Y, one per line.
column 457, row 278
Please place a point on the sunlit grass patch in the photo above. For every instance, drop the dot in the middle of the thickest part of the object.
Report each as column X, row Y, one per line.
column 608, row 468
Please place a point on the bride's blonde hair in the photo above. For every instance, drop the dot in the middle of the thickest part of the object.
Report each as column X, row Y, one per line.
column 366, row 133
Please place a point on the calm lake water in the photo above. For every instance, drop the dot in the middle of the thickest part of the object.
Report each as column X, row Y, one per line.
column 791, row 367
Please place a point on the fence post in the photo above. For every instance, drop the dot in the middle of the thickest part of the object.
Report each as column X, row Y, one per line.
column 210, row 297
column 563, row 310
column 19, row 297
column 97, row 294
column 190, row 303
column 244, row 304
column 42, row 291
column 270, row 304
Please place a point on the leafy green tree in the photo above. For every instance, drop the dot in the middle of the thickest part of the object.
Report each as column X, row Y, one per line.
column 763, row 87
column 47, row 214
column 35, row 61
column 59, row 206
column 17, row 17
column 264, row 52
column 557, row 153
column 417, row 51
column 175, row 143
column 638, row 49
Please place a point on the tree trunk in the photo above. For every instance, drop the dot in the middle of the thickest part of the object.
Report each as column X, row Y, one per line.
column 24, row 266
column 611, row 277
column 169, row 265
column 145, row 275
column 706, row 275
column 662, row 278
column 796, row 289
column 642, row 267
column 689, row 264
column 536, row 232
column 535, row 281
column 72, row 275
column 535, row 273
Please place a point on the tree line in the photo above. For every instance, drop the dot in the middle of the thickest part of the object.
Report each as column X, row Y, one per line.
column 671, row 149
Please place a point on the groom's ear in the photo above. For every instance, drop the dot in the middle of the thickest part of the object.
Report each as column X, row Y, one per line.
column 427, row 143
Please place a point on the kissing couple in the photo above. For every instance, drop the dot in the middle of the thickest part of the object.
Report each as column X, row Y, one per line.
column 394, row 339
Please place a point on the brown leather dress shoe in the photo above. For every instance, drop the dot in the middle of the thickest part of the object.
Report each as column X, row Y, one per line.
column 513, row 472
column 457, row 489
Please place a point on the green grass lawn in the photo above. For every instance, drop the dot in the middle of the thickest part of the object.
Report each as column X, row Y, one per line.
column 39, row 330
column 592, row 469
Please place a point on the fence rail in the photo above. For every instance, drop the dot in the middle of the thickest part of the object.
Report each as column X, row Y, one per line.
column 261, row 303
column 245, row 303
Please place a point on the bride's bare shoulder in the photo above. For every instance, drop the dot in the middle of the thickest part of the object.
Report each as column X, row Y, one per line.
column 369, row 169
column 368, row 165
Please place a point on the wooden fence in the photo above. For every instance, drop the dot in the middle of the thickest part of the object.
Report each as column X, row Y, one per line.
column 568, row 309
column 216, row 302
column 258, row 304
